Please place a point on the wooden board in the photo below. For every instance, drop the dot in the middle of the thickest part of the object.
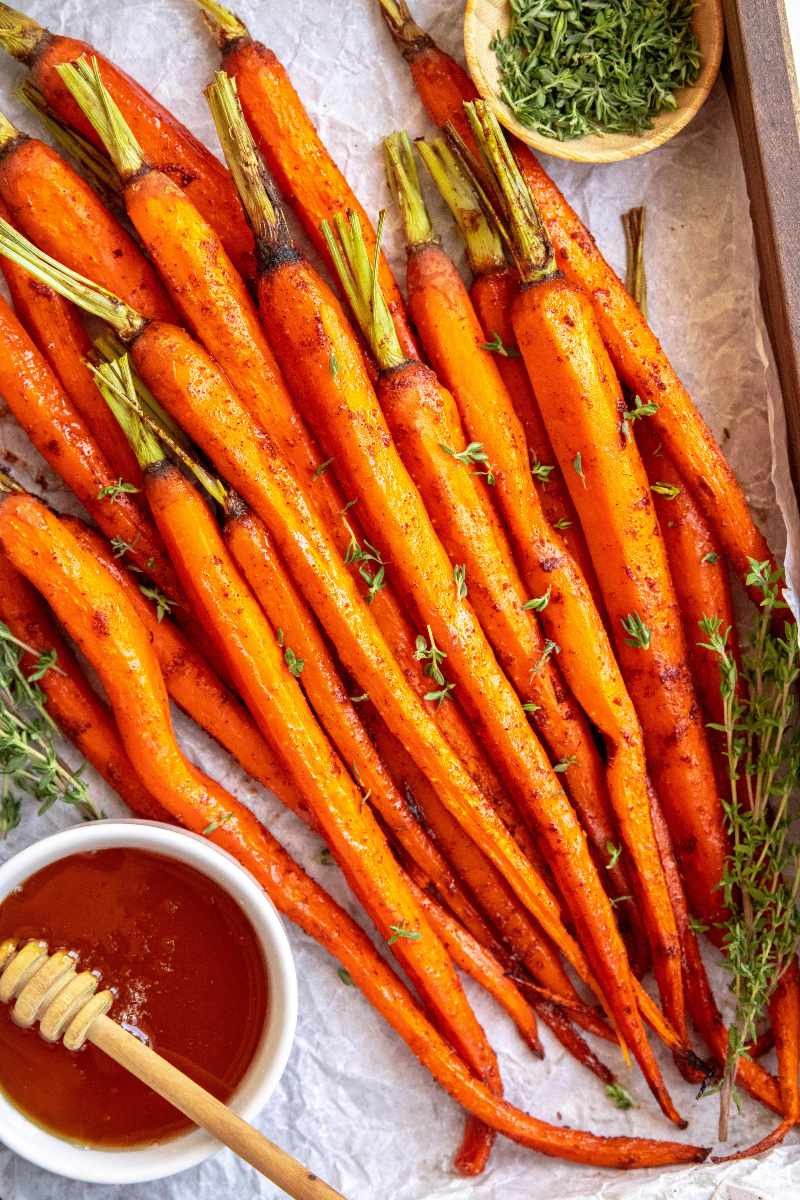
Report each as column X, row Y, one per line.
column 759, row 70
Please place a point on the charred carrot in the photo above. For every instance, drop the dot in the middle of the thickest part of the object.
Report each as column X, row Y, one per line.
column 581, row 401
column 299, row 309
column 38, row 402
column 199, row 397
column 303, row 169
column 53, row 206
column 453, row 339
column 426, row 426
column 643, row 366
column 97, row 615
column 55, row 328
column 77, row 710
column 168, row 144
column 192, row 683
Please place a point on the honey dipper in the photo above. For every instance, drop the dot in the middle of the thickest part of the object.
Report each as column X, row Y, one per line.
column 48, row 989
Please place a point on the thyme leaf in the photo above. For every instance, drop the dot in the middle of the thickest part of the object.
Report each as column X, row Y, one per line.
column 473, row 454
column 400, row 931
column 496, row 346
column 639, row 636
column 112, row 491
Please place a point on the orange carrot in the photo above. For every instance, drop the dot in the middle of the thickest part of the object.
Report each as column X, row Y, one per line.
column 53, row 206
column 643, row 366
column 169, row 145
column 77, row 710
column 96, row 613
column 303, row 169
column 55, row 328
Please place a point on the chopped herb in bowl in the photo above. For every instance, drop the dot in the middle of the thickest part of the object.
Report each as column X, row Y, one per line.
column 574, row 67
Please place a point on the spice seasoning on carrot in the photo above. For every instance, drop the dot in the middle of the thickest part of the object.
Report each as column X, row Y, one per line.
column 167, row 143
column 299, row 309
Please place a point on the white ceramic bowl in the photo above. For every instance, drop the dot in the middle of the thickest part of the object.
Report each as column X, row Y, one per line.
column 188, row 1149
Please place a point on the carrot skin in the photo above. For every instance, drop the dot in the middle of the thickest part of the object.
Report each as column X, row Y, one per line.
column 492, row 295
column 167, row 144
column 97, row 615
column 301, row 166
column 582, row 404
column 77, row 710
column 61, row 214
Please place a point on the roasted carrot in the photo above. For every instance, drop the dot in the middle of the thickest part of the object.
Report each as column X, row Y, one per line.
column 453, row 340
column 426, row 426
column 299, row 310
column 37, row 400
column 493, row 288
column 77, row 710
column 581, row 401
column 169, row 145
column 97, row 615
column 55, row 328
column 57, row 209
column 199, row 397
column 193, row 685
column 303, row 169
column 643, row 366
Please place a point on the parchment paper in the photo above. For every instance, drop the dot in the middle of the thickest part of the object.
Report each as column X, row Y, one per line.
column 353, row 1103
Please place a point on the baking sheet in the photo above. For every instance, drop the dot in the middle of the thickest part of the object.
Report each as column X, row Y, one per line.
column 353, row 1104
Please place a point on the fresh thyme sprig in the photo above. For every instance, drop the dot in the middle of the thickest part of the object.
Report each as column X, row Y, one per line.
column 28, row 759
column 375, row 578
column 473, row 454
column 639, row 636
column 428, row 652
column 112, row 491
column 762, row 876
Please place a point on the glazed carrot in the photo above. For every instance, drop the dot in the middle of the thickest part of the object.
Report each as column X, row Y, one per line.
column 77, row 710
column 303, row 169
column 643, row 366
column 167, row 143
column 426, row 426
column 474, row 960
column 97, row 615
column 211, row 293
column 200, row 398
column 494, row 286
column 37, row 400
column 304, row 320
column 581, row 402
column 194, row 687
column 452, row 338
column 55, row 328
column 53, row 206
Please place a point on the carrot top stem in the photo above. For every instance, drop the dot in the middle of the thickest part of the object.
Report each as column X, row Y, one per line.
column 359, row 278
column 84, row 81
column 103, row 174
column 107, row 348
column 115, row 383
column 462, row 196
column 8, row 132
column 633, row 223
column 74, row 287
column 255, row 188
column 9, row 484
column 403, row 180
column 407, row 34
column 19, row 35
column 225, row 27
column 531, row 246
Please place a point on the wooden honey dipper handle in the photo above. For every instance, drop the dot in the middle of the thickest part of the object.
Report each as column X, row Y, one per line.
column 48, row 989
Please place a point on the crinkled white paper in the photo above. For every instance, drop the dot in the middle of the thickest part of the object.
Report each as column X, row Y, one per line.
column 353, row 1104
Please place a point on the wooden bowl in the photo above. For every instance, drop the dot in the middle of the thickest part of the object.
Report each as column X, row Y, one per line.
column 483, row 18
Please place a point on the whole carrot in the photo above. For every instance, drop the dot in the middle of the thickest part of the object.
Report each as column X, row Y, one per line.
column 200, row 399
column 37, row 400
column 55, row 328
column 493, row 288
column 77, row 710
column 168, row 144
column 212, row 294
column 581, row 401
column 299, row 310
column 53, row 206
column 643, row 366
column 97, row 615
column 193, row 685
column 293, row 150
column 426, row 434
